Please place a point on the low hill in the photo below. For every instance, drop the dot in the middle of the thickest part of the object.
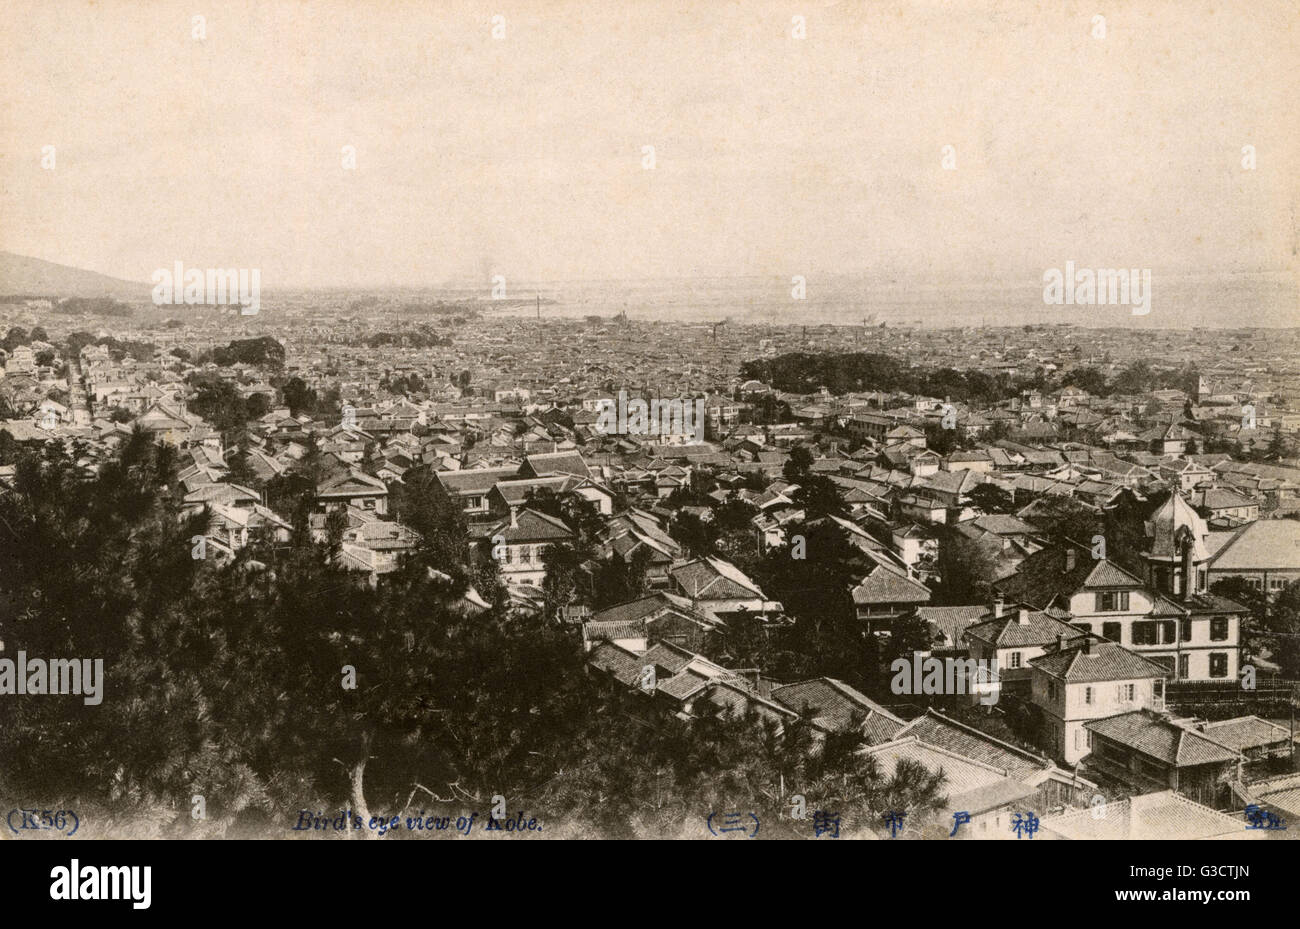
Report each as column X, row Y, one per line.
column 20, row 275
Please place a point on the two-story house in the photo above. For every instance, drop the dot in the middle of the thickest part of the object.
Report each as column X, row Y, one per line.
column 353, row 488
column 519, row 542
column 1014, row 638
column 1194, row 636
column 1073, row 686
column 470, row 488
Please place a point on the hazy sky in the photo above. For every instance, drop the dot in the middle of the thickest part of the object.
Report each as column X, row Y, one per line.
column 523, row 155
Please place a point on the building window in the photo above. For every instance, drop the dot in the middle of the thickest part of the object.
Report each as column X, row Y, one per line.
column 1169, row 630
column 525, row 555
column 1083, row 627
column 1145, row 633
column 1124, row 693
column 1186, row 624
column 1219, row 629
column 1087, row 696
column 1015, row 659
column 1112, row 601
column 1183, row 667
column 1218, row 664
column 1113, row 631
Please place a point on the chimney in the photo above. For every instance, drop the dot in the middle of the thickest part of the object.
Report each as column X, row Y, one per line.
column 1070, row 555
column 514, row 517
column 998, row 606
column 1087, row 644
column 1022, row 618
column 1060, row 641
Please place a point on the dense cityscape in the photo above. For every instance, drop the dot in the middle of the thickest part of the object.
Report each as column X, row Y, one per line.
column 726, row 607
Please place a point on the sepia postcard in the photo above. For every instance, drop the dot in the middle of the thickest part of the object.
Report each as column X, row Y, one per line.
column 714, row 421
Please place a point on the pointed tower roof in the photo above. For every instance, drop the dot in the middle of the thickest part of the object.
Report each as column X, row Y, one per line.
column 1165, row 526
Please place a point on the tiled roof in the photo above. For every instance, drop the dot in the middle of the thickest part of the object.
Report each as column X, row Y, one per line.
column 637, row 610
column 952, row 621
column 1245, row 732
column 1047, row 574
column 474, row 480
column 715, row 579
column 683, row 686
column 1007, row 631
column 558, row 463
column 623, row 665
column 883, row 585
column 531, row 526
column 938, row 730
column 1103, row 661
column 961, row 774
column 1108, row 574
column 1155, row 736
column 836, row 703
column 1268, row 544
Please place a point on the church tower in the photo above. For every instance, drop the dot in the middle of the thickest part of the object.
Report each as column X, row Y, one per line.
column 1176, row 552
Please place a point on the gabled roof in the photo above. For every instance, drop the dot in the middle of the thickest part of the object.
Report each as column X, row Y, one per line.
column 643, row 608
column 1155, row 736
column 1244, row 732
column 474, row 480
column 715, row 579
column 970, row 785
column 1048, row 574
column 952, row 621
column 1000, row 524
column 936, row 729
column 351, row 483
column 1100, row 661
column 954, row 482
column 625, row 666
column 1107, row 573
column 835, row 703
column 1268, row 544
column 531, row 526
column 222, row 493
column 1007, row 631
column 886, row 585
column 557, row 463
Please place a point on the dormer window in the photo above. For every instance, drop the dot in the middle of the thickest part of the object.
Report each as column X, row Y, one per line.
column 1112, row 601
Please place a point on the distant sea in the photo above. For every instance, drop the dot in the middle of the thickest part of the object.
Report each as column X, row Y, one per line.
column 1177, row 302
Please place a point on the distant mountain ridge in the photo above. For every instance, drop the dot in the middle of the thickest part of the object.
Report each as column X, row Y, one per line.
column 36, row 277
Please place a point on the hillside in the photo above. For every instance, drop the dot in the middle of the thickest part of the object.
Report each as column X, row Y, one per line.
column 32, row 276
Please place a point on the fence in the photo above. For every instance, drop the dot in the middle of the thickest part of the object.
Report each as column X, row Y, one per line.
column 1267, row 689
